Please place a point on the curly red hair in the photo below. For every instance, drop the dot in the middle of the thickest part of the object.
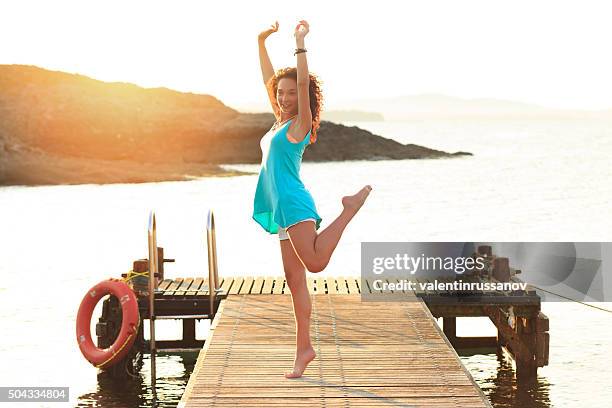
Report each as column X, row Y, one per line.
column 314, row 92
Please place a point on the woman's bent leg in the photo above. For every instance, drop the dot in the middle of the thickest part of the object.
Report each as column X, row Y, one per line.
column 314, row 250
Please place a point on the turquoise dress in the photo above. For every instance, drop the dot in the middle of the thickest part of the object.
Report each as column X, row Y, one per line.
column 281, row 199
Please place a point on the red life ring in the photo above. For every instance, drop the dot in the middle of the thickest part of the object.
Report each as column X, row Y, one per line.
column 130, row 323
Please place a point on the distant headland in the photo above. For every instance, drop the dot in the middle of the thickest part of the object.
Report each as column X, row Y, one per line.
column 61, row 128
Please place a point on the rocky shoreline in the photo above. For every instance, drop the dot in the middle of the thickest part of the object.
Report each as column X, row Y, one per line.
column 60, row 128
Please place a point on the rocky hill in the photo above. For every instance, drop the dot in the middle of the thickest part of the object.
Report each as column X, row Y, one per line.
column 60, row 128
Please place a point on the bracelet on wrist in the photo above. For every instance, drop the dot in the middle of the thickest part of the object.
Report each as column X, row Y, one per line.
column 298, row 50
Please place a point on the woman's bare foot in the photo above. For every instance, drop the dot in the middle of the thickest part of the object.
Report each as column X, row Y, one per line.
column 354, row 202
column 302, row 358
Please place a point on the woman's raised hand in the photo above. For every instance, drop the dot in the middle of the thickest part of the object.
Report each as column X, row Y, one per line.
column 273, row 28
column 301, row 33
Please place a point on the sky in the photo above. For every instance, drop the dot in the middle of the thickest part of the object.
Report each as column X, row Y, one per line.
column 549, row 53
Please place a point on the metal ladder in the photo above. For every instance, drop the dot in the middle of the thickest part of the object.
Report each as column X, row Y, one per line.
column 213, row 284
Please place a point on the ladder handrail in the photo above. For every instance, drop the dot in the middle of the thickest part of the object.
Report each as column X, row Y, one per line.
column 213, row 278
column 213, row 273
column 153, row 268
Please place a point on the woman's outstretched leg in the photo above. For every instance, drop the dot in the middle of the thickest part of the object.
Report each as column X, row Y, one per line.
column 315, row 250
column 302, row 306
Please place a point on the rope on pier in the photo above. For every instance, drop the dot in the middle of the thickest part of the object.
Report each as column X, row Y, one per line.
column 573, row 300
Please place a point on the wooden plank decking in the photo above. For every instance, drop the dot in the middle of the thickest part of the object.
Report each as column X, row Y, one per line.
column 368, row 354
column 257, row 285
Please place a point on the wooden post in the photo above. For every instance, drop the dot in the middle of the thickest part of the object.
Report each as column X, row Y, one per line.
column 189, row 332
column 140, row 284
column 500, row 340
column 160, row 257
column 485, row 250
column 449, row 326
column 542, row 340
column 141, row 265
column 501, row 269
column 520, row 341
column 526, row 363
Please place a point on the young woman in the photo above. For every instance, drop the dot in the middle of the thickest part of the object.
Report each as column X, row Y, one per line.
column 282, row 203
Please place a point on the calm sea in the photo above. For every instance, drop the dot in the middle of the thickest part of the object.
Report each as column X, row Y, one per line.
column 533, row 180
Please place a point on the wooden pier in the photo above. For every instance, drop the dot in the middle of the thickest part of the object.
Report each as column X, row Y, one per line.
column 525, row 339
column 368, row 353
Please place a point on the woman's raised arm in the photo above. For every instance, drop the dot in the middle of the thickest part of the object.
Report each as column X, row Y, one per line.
column 267, row 70
column 304, row 119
